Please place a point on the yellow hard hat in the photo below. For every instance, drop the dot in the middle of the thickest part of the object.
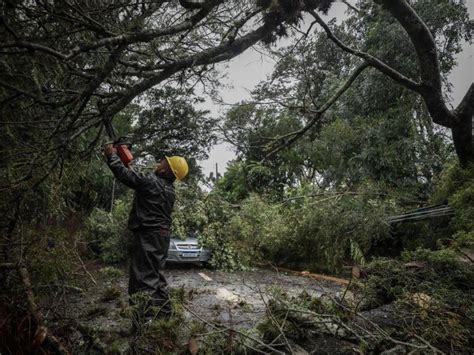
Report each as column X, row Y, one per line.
column 178, row 166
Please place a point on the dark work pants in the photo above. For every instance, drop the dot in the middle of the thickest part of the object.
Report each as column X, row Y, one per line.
column 149, row 252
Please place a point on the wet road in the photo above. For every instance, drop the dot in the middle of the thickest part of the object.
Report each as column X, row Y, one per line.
column 238, row 299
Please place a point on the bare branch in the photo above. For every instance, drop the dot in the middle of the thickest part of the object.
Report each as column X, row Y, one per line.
column 33, row 47
column 145, row 36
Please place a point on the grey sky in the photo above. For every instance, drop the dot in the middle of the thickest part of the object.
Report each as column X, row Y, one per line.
column 248, row 69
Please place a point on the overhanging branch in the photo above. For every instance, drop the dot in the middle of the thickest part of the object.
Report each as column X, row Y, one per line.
column 430, row 87
column 226, row 51
column 290, row 138
column 373, row 61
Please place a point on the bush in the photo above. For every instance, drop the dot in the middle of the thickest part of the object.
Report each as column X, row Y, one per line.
column 336, row 229
column 107, row 233
column 215, row 235
column 52, row 259
column 259, row 231
column 432, row 294
column 315, row 233
column 189, row 213
column 456, row 186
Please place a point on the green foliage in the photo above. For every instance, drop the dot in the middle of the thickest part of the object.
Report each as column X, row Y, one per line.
column 159, row 333
column 107, row 232
column 242, row 178
column 281, row 320
column 378, row 130
column 456, row 186
column 185, row 130
column 432, row 293
column 325, row 230
column 379, row 138
column 215, row 235
column 426, row 297
column 110, row 293
column 224, row 255
column 356, row 253
column 383, row 147
column 53, row 257
column 306, row 320
column 258, row 230
column 189, row 213
column 320, row 232
column 111, row 272
column 251, row 129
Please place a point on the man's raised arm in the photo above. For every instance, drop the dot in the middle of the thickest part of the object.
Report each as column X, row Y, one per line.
column 123, row 174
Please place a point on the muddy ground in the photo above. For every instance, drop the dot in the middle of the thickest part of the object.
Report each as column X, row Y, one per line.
column 101, row 325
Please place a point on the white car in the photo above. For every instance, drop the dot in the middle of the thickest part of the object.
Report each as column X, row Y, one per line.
column 187, row 251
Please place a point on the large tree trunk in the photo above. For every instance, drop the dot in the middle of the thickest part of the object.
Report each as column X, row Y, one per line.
column 430, row 86
column 463, row 139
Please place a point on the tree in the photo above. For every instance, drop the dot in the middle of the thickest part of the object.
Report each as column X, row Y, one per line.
column 323, row 111
column 377, row 130
column 428, row 79
column 66, row 67
column 169, row 124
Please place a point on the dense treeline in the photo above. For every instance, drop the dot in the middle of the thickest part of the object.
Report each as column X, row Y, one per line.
column 351, row 127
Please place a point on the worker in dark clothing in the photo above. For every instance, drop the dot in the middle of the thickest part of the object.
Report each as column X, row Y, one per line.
column 150, row 222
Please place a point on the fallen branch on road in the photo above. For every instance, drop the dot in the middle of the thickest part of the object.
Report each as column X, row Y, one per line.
column 42, row 335
column 220, row 327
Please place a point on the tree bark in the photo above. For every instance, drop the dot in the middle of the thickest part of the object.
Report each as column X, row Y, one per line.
column 462, row 138
column 458, row 120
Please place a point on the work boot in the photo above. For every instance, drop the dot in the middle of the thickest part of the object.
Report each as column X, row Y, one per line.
column 158, row 312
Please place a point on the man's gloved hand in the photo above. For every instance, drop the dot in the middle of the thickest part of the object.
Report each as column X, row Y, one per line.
column 109, row 149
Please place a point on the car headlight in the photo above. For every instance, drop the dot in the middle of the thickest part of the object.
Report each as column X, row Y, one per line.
column 172, row 245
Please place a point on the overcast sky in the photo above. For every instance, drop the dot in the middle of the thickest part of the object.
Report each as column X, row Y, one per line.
column 248, row 69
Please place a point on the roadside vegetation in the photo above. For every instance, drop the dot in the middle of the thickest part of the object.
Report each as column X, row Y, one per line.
column 329, row 149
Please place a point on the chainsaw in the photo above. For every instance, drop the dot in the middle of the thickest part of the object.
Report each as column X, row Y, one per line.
column 124, row 150
column 122, row 144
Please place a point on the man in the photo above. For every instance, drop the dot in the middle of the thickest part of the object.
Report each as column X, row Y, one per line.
column 150, row 222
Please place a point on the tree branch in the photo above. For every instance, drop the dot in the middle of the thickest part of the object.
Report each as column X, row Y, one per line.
column 144, row 36
column 317, row 114
column 226, row 51
column 373, row 61
column 427, row 54
column 34, row 47
column 42, row 334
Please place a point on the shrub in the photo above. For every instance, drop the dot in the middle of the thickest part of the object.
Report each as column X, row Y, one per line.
column 432, row 294
column 336, row 229
column 316, row 233
column 259, row 231
column 189, row 213
column 456, row 186
column 53, row 257
column 107, row 232
column 223, row 253
column 216, row 235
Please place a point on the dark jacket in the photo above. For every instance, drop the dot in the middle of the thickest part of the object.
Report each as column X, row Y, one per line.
column 153, row 199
